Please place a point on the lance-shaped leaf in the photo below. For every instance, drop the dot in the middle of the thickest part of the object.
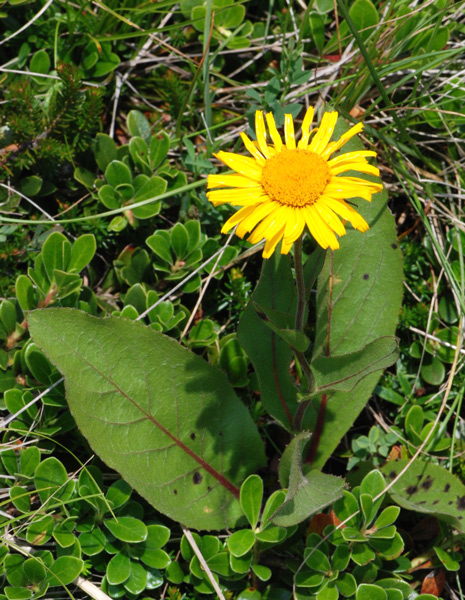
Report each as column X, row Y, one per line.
column 341, row 372
column 269, row 352
column 359, row 295
column 161, row 416
column 283, row 325
column 307, row 493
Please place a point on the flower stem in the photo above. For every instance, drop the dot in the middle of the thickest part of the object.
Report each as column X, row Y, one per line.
column 299, row 325
column 315, row 441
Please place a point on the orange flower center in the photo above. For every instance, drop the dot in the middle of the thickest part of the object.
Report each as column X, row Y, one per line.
column 295, row 177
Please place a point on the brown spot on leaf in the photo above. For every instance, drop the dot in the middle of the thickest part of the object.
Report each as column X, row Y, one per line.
column 192, row 436
column 175, row 492
column 427, row 483
column 197, row 478
column 392, row 475
column 366, row 276
column 412, row 489
column 461, row 503
column 436, row 501
column 446, row 488
column 394, row 246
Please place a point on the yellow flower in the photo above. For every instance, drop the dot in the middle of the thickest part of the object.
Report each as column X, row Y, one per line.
column 284, row 187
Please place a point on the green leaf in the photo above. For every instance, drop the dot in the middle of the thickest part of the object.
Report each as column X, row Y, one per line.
column 342, row 372
column 387, row 517
column 56, row 253
column 34, row 570
column 63, row 532
column 137, row 579
column 139, row 152
column 109, row 197
column 92, row 542
column 20, row 498
column 13, row 565
column 17, row 593
column 269, row 353
column 282, row 324
column 315, row 492
column 353, row 308
column 367, row 591
column 40, row 530
column 8, row 316
column 117, row 173
column 153, row 188
column 118, row 569
column 179, row 240
column 317, row 560
column 40, row 62
column 50, row 479
column 82, row 252
column 197, row 462
column 67, row 283
column 159, row 146
column 25, row 293
column 340, row 558
column 428, row 488
column 138, row 125
column 127, row 529
column 240, row 542
column 251, row 498
column 64, row 570
column 263, row 573
column 364, row 15
column 104, row 150
column 306, row 494
column 447, row 560
column 329, row 592
column 30, row 186
column 158, row 244
column 118, row 493
column 433, row 371
column 309, row 579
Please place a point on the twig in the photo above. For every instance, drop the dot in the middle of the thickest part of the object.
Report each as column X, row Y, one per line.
column 203, row 563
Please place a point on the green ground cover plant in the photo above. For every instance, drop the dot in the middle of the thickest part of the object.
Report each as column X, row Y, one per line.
column 189, row 412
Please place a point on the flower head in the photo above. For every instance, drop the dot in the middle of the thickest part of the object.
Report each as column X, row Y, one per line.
column 285, row 186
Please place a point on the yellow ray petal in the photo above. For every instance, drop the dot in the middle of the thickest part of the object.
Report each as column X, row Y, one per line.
column 289, row 134
column 347, row 212
column 261, row 211
column 345, row 137
column 244, row 165
column 238, row 181
column 319, row 230
column 308, row 120
column 326, row 130
column 260, row 132
column 351, row 157
column 236, row 218
column 295, row 223
column 272, row 242
column 237, row 196
column 269, row 226
column 277, row 141
column 252, row 148
column 330, row 218
column 361, row 167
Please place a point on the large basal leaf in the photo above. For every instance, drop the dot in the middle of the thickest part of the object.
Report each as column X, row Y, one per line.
column 165, row 419
column 428, row 488
column 359, row 295
column 269, row 352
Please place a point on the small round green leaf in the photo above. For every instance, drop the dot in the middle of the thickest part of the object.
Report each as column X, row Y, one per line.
column 240, row 542
column 368, row 591
column 127, row 529
column 251, row 496
column 92, row 542
column 64, row 570
column 118, row 569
